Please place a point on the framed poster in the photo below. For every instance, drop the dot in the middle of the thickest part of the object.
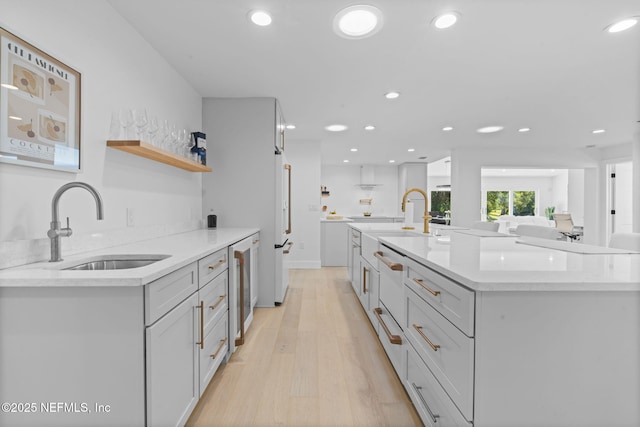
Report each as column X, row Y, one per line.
column 39, row 107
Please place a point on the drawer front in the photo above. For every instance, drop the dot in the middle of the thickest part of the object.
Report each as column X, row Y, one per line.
column 212, row 265
column 391, row 286
column 168, row 291
column 432, row 403
column 453, row 301
column 444, row 348
column 215, row 296
column 355, row 236
column 391, row 337
column 216, row 347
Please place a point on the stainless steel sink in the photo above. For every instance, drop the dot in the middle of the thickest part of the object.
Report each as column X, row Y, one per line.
column 116, row 262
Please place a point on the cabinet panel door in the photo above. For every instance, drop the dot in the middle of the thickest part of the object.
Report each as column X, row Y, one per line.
column 216, row 348
column 172, row 366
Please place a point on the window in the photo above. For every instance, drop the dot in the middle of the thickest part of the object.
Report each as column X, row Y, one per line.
column 440, row 202
column 517, row 203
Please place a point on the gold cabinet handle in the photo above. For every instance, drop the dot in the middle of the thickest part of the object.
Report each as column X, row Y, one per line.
column 418, row 389
column 426, row 288
column 220, row 299
column 392, row 265
column 201, row 307
column 255, row 241
column 364, row 279
column 213, row 267
column 393, row 339
column 222, row 343
column 433, row 346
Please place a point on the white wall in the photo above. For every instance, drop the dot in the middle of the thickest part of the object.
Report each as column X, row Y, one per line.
column 119, row 70
column 304, row 158
column 342, row 182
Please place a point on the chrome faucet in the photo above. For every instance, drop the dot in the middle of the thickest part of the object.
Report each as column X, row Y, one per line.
column 55, row 232
column 426, row 216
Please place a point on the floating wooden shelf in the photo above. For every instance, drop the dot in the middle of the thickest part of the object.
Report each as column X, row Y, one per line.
column 144, row 149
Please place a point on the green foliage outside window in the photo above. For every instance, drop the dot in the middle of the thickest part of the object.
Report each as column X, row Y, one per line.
column 497, row 204
column 440, row 202
column 524, row 203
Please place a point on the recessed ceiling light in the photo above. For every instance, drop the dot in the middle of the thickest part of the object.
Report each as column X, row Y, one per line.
column 447, row 128
column 625, row 24
column 598, row 131
column 359, row 21
column 490, row 129
column 291, row 126
column 8, row 86
column 411, row 150
column 354, row 149
column 392, row 161
column 345, row 161
column 369, row 127
column 15, row 118
column 445, row 20
column 260, row 18
column 392, row 95
column 522, row 130
column 336, row 128
column 590, row 146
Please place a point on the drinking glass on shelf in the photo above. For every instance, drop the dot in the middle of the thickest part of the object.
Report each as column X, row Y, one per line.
column 152, row 130
column 126, row 120
column 141, row 120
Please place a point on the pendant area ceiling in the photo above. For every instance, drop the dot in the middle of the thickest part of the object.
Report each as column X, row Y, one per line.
column 546, row 65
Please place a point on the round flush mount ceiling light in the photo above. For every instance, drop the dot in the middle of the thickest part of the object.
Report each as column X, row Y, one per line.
column 447, row 129
column 597, row 131
column 260, row 18
column 411, row 150
column 359, row 21
column 336, row 128
column 392, row 95
column 446, row 20
column 490, row 129
column 392, row 161
column 354, row 149
column 523, row 130
column 625, row 24
column 369, row 127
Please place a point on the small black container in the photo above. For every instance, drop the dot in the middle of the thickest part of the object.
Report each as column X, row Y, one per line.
column 212, row 221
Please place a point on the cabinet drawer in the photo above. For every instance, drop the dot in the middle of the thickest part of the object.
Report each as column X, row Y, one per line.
column 453, row 301
column 391, row 337
column 430, row 400
column 216, row 347
column 444, row 348
column 215, row 296
column 390, row 265
column 355, row 236
column 212, row 265
column 168, row 291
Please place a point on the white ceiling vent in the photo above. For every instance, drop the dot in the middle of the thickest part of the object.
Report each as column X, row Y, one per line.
column 367, row 177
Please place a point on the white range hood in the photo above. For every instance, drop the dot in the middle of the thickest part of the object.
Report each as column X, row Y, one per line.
column 367, row 177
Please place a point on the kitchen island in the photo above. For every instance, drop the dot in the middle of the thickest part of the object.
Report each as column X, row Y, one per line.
column 503, row 331
column 128, row 347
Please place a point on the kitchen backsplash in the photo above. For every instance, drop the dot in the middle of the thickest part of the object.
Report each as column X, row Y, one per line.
column 21, row 252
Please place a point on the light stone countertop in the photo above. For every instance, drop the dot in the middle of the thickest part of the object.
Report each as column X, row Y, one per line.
column 511, row 263
column 183, row 249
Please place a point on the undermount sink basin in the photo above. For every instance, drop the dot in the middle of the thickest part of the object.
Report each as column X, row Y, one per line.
column 116, row 262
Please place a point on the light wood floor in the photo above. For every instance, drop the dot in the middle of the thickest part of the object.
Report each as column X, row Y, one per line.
column 313, row 361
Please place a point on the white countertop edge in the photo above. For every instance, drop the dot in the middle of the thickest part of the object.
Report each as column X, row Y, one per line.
column 183, row 249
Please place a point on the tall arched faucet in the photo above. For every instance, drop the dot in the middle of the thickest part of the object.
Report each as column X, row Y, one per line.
column 55, row 232
column 426, row 216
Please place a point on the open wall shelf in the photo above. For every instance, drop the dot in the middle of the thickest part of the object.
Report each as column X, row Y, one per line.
column 144, row 149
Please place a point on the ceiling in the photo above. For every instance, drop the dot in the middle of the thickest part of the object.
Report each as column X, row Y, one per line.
column 542, row 64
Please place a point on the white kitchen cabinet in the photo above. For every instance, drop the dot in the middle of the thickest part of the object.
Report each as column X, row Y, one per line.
column 333, row 243
column 369, row 290
column 255, row 277
column 173, row 366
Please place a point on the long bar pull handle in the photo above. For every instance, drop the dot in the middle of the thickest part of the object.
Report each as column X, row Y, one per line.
column 433, row 416
column 392, row 265
column 393, row 339
column 213, row 267
column 201, row 307
column 433, row 346
column 222, row 343
column 426, row 288
column 288, row 168
column 239, row 255
column 364, row 279
column 220, row 299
